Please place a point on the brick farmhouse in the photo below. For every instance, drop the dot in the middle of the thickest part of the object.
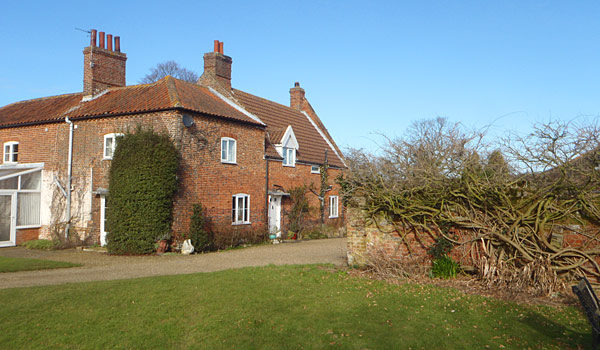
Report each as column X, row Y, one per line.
column 241, row 154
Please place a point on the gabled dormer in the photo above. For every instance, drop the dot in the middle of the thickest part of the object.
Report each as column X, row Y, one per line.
column 287, row 147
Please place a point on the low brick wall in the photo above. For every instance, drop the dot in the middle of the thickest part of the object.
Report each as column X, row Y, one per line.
column 365, row 236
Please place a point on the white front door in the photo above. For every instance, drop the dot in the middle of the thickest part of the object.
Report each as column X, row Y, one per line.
column 275, row 215
column 103, row 227
column 7, row 220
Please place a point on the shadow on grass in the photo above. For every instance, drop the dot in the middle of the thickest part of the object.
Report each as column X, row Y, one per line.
column 552, row 331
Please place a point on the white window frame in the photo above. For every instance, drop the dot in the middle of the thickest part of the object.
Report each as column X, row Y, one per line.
column 313, row 171
column 290, row 160
column 333, row 207
column 21, row 190
column 229, row 142
column 11, row 153
column 235, row 209
column 114, row 137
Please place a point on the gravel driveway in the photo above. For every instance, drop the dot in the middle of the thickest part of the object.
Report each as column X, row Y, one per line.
column 101, row 267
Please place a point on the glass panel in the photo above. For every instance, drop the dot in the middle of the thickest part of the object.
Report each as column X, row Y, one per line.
column 246, row 209
column 6, row 153
column 9, row 184
column 31, row 181
column 285, row 156
column 240, row 209
column 15, row 151
column 28, row 209
column 5, row 204
column 106, row 229
column 231, row 149
column 223, row 149
column 108, row 150
column 233, row 209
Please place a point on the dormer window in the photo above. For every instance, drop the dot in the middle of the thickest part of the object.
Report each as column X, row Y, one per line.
column 11, row 152
column 228, row 150
column 110, row 143
column 289, row 156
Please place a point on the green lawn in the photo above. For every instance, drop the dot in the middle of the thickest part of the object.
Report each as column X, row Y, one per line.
column 293, row 307
column 24, row 264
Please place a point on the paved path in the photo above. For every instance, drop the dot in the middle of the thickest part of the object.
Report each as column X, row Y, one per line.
column 101, row 267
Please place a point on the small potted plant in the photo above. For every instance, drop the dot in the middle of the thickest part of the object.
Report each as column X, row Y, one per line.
column 163, row 243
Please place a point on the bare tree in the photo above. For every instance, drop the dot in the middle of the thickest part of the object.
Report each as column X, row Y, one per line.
column 171, row 68
column 511, row 199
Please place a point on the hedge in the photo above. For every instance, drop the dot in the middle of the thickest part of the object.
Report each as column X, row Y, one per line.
column 142, row 183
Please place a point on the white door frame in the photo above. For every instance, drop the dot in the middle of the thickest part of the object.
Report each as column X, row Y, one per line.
column 275, row 214
column 13, row 219
column 102, row 220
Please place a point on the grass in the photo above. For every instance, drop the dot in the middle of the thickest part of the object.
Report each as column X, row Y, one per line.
column 292, row 307
column 41, row 244
column 25, row 264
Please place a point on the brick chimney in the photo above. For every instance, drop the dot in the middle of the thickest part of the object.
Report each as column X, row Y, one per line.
column 217, row 70
column 103, row 66
column 296, row 96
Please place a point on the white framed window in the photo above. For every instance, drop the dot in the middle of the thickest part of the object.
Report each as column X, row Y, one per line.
column 240, row 209
column 289, row 156
column 110, row 143
column 228, row 150
column 11, row 152
column 29, row 199
column 315, row 169
column 333, row 207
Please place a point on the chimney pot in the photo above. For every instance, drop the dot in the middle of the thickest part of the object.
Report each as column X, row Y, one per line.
column 93, row 37
column 221, row 47
column 296, row 84
column 102, row 46
column 216, row 46
column 109, row 42
column 118, row 43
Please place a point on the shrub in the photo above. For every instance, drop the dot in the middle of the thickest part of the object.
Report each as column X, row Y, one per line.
column 200, row 236
column 298, row 210
column 42, row 244
column 142, row 183
column 444, row 267
column 238, row 235
column 440, row 248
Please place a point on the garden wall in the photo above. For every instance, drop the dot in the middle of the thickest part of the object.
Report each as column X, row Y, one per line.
column 367, row 236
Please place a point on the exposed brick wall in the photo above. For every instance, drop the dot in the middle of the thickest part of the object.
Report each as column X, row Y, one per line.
column 25, row 235
column 300, row 175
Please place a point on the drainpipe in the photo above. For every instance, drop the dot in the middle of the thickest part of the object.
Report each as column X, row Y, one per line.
column 69, row 166
column 267, row 192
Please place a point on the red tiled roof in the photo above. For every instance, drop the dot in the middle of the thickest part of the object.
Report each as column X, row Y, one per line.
column 167, row 93
column 312, row 145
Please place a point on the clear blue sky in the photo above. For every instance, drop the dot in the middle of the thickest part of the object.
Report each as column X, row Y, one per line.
column 367, row 66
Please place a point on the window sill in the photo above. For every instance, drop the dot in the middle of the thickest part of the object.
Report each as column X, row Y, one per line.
column 290, row 166
column 27, row 227
column 107, row 158
column 241, row 223
column 230, row 163
column 334, row 217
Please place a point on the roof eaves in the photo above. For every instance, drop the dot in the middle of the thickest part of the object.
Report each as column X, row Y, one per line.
column 236, row 106
column 324, row 137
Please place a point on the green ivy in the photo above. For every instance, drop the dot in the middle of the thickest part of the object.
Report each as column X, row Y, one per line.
column 142, row 184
